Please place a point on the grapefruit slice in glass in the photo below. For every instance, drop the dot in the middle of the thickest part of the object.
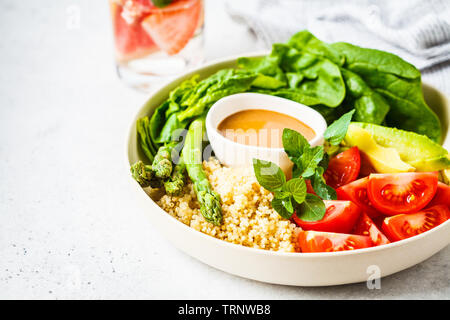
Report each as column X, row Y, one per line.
column 131, row 40
column 172, row 27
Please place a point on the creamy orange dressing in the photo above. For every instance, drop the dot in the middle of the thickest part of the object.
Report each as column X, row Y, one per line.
column 262, row 128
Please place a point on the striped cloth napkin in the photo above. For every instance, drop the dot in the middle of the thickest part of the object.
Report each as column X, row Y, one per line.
column 416, row 30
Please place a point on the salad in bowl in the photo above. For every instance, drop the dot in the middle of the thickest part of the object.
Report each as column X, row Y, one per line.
column 379, row 174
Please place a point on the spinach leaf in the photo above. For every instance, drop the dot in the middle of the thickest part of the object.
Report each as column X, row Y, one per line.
column 306, row 41
column 268, row 65
column 399, row 85
column 328, row 87
column 363, row 60
column 322, row 79
column 409, row 110
column 313, row 79
column 335, row 78
column 293, row 94
column 370, row 106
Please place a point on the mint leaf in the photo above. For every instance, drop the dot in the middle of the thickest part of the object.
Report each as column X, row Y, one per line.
column 294, row 143
column 320, row 187
column 287, row 204
column 282, row 194
column 296, row 169
column 269, row 175
column 277, row 205
column 310, row 159
column 297, row 187
column 324, row 162
column 312, row 209
column 336, row 132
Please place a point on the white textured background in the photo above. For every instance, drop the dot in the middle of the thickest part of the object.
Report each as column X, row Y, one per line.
column 68, row 225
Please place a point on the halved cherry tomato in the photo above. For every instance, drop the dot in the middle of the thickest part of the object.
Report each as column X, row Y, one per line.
column 442, row 195
column 314, row 241
column 404, row 226
column 343, row 168
column 401, row 192
column 340, row 216
column 356, row 192
column 366, row 167
column 378, row 221
column 366, row 227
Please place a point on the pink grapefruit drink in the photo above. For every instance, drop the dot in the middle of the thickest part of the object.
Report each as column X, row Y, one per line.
column 156, row 39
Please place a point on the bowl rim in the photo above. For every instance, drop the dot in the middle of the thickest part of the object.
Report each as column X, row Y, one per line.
column 316, row 139
column 230, row 245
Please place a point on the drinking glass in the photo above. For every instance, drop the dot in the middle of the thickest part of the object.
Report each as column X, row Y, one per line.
column 156, row 39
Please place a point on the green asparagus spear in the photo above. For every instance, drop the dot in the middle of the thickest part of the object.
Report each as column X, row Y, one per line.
column 174, row 185
column 144, row 175
column 162, row 163
column 210, row 205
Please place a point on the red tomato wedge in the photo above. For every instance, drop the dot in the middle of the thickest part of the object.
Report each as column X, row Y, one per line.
column 343, row 168
column 131, row 40
column 172, row 27
column 404, row 226
column 356, row 192
column 366, row 227
column 398, row 193
column 366, row 167
column 340, row 217
column 442, row 195
column 314, row 241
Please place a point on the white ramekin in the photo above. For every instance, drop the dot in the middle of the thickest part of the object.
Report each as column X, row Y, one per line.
column 235, row 154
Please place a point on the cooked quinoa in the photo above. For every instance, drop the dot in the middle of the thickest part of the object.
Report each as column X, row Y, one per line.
column 248, row 218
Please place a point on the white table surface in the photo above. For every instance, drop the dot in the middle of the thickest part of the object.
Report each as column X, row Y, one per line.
column 69, row 228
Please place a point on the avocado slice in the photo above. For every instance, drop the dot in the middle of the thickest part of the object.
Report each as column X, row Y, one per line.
column 383, row 160
column 415, row 149
column 436, row 164
column 444, row 176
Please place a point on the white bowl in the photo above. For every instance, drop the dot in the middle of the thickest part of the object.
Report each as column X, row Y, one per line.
column 302, row 269
column 235, row 154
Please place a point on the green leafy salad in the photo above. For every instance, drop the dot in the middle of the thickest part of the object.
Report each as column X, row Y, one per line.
column 341, row 81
